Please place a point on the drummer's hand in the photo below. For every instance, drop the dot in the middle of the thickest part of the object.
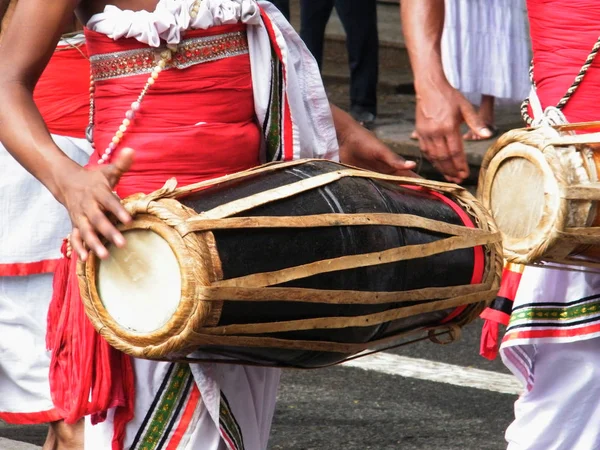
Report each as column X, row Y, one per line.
column 360, row 147
column 88, row 196
column 440, row 112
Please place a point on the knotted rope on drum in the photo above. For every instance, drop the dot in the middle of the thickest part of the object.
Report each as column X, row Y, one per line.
column 570, row 92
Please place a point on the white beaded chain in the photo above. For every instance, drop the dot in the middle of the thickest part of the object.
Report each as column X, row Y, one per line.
column 165, row 57
column 131, row 112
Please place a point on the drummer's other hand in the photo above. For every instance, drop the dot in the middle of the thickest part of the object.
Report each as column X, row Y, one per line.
column 88, row 196
column 361, row 148
column 440, row 111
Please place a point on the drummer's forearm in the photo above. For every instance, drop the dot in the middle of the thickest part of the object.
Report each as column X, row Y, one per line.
column 342, row 121
column 422, row 25
column 23, row 58
column 25, row 136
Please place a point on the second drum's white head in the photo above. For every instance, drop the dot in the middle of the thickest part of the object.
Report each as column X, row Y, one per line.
column 140, row 284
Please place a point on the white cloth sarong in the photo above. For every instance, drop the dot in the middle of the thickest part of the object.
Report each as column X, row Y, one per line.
column 32, row 227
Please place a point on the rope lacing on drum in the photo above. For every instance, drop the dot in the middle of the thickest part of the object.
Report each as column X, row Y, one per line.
column 557, row 110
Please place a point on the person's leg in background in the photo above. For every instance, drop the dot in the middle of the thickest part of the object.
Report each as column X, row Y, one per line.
column 359, row 18
column 314, row 15
column 283, row 6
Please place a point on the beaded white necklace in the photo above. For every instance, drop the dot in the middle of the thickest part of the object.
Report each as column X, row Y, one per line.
column 165, row 57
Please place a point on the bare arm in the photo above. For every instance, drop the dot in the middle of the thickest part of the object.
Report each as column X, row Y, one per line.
column 27, row 45
column 361, row 148
column 440, row 109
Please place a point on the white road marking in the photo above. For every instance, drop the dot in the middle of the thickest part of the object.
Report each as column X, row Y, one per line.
column 7, row 444
column 424, row 369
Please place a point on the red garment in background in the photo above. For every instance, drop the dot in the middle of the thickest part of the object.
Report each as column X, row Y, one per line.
column 62, row 92
column 562, row 36
column 194, row 124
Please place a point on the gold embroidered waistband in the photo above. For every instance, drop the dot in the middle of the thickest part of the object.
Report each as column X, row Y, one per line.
column 188, row 53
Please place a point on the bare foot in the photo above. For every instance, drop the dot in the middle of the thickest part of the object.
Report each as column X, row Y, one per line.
column 414, row 136
column 471, row 136
column 62, row 436
column 486, row 114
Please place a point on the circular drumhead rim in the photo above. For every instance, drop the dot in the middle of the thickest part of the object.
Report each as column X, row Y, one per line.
column 522, row 194
column 140, row 285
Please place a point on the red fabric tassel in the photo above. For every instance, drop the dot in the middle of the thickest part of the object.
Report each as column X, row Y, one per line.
column 59, row 290
column 499, row 311
column 489, row 340
column 87, row 376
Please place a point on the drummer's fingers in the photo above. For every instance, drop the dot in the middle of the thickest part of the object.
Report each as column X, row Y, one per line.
column 111, row 203
column 456, row 150
column 89, row 236
column 77, row 244
column 443, row 158
column 430, row 151
column 100, row 223
column 121, row 164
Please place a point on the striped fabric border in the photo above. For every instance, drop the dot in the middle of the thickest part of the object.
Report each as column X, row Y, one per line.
column 229, row 427
column 272, row 127
column 171, row 415
column 554, row 321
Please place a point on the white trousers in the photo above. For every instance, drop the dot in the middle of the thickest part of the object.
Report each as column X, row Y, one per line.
column 562, row 410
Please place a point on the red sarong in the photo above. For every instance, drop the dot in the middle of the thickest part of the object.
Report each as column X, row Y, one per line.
column 562, row 36
column 194, row 124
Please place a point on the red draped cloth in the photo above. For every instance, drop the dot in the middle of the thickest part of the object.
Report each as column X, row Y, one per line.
column 62, row 92
column 194, row 124
column 563, row 33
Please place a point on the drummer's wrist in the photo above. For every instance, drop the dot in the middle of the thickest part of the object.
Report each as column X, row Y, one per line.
column 57, row 178
column 343, row 122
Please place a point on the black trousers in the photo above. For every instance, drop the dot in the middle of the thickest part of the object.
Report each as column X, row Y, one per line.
column 359, row 19
column 283, row 6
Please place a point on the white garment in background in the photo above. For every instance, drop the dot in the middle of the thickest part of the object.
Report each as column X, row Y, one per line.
column 485, row 48
column 32, row 227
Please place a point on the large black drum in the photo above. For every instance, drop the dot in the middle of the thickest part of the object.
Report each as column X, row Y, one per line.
column 295, row 264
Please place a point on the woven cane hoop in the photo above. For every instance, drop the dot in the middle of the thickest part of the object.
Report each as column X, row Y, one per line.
column 194, row 325
column 563, row 168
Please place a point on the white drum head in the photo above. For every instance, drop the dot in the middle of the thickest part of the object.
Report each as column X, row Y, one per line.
column 517, row 198
column 140, row 284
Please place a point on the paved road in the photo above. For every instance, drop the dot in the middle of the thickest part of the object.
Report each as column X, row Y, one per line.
column 354, row 409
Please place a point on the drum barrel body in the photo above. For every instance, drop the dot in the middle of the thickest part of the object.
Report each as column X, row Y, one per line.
column 244, row 252
column 297, row 264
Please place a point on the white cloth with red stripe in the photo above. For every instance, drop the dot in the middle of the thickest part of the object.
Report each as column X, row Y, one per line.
column 32, row 222
column 251, row 391
column 32, row 226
